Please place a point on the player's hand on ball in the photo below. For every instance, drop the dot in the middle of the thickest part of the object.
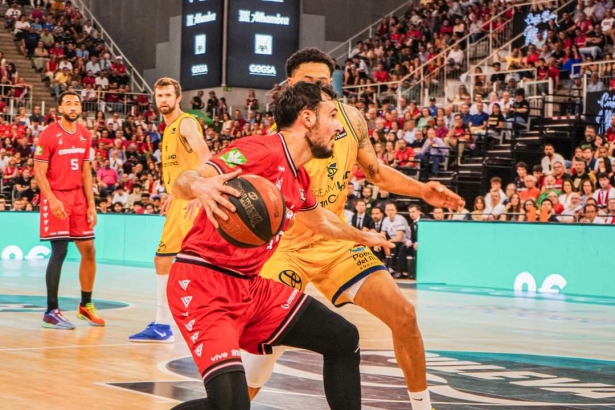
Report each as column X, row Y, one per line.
column 57, row 208
column 210, row 192
column 437, row 195
column 372, row 239
column 92, row 218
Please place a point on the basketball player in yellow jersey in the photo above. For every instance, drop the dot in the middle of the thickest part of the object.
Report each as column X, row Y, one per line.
column 346, row 272
column 183, row 148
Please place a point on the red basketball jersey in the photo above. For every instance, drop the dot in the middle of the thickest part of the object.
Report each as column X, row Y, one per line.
column 65, row 153
column 268, row 157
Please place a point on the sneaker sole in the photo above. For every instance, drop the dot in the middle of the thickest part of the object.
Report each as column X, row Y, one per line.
column 169, row 340
column 83, row 317
column 50, row 326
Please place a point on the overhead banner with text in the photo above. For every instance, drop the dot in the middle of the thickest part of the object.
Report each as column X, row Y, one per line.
column 201, row 46
column 262, row 35
column 530, row 24
column 600, row 107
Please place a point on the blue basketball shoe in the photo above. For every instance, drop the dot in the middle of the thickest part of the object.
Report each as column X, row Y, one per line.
column 55, row 320
column 154, row 333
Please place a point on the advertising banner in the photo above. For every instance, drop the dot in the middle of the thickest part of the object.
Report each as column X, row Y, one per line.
column 120, row 239
column 201, row 46
column 560, row 259
column 262, row 35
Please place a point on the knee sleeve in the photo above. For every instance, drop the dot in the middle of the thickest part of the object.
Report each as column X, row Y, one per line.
column 260, row 367
column 59, row 249
column 228, row 391
column 323, row 331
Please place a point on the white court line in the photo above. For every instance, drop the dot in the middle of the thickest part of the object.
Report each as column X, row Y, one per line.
column 162, row 366
column 150, row 395
column 17, row 349
column 525, row 404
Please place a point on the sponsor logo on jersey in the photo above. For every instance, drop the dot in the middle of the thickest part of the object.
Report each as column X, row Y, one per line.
column 357, row 248
column 341, row 135
column 291, row 278
column 39, row 150
column 302, row 195
column 233, row 158
column 71, row 151
column 331, row 170
column 290, row 300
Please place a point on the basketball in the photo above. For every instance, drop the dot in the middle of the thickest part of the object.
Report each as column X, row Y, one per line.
column 260, row 213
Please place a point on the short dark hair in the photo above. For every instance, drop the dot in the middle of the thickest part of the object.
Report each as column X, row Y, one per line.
column 66, row 94
column 497, row 180
column 521, row 165
column 297, row 98
column 548, row 144
column 590, row 205
column 602, row 175
column 537, row 168
column 308, row 55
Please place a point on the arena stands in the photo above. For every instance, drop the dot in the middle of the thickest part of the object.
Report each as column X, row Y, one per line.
column 509, row 134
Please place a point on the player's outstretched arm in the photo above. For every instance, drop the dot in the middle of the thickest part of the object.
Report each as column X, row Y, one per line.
column 392, row 180
column 209, row 187
column 192, row 132
column 326, row 223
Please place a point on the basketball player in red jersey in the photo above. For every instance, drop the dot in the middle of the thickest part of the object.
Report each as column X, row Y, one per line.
column 216, row 296
column 62, row 170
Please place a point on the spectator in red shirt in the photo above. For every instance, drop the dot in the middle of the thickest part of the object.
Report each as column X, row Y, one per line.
column 404, row 155
column 533, row 56
column 381, row 75
column 458, row 136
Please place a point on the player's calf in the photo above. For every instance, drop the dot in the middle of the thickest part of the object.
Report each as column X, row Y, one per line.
column 324, row 331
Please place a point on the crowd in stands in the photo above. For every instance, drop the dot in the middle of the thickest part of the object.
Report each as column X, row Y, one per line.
column 126, row 152
column 413, row 47
column 70, row 54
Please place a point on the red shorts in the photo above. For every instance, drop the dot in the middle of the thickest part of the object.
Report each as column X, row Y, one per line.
column 76, row 226
column 220, row 313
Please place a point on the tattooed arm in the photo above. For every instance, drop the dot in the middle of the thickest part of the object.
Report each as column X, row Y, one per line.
column 379, row 174
column 391, row 180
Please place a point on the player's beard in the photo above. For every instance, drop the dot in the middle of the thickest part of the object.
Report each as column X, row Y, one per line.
column 318, row 151
column 70, row 117
column 167, row 110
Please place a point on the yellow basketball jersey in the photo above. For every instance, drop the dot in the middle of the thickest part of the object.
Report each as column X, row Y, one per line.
column 329, row 178
column 177, row 154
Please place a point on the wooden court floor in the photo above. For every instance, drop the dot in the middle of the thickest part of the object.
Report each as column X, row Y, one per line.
column 486, row 350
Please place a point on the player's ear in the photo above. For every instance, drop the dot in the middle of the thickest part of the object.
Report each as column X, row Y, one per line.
column 289, row 81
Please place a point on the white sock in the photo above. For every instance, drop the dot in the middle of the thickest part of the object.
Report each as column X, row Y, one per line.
column 163, row 313
column 420, row 400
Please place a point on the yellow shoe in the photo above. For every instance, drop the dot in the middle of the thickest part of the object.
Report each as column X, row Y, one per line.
column 89, row 313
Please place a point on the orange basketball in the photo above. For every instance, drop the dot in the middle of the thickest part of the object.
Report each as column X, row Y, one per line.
column 259, row 216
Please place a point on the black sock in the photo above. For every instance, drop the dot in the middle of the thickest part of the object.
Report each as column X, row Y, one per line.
column 86, row 297
column 54, row 269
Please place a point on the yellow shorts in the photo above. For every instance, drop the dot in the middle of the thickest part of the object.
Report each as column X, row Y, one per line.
column 333, row 267
column 176, row 227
